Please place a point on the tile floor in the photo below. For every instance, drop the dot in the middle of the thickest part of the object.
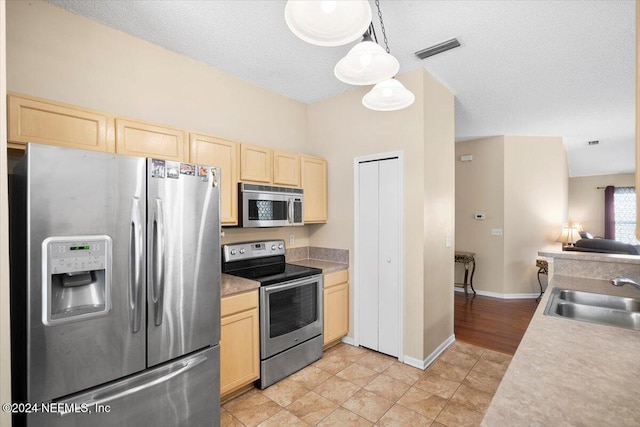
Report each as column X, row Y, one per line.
column 352, row 386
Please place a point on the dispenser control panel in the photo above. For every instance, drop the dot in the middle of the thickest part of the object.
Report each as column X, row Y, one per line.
column 76, row 278
column 72, row 256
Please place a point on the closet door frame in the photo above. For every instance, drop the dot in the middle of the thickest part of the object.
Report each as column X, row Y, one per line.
column 357, row 286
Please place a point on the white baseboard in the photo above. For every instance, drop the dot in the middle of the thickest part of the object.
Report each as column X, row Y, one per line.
column 501, row 296
column 423, row 364
column 349, row 340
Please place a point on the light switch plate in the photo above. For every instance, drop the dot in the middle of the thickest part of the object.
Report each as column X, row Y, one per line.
column 496, row 231
column 448, row 241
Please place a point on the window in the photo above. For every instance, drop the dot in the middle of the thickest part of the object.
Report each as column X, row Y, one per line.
column 624, row 208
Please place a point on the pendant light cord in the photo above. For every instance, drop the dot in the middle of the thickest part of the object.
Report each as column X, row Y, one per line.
column 384, row 34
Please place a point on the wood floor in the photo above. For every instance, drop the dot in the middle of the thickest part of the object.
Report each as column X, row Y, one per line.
column 492, row 323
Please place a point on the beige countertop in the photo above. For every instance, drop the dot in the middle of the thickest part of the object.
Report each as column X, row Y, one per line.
column 571, row 373
column 234, row 285
column 592, row 256
column 325, row 266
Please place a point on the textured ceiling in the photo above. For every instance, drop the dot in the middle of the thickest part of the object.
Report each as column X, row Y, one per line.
column 559, row 68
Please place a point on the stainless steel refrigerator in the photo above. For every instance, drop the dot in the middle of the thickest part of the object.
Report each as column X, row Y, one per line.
column 115, row 290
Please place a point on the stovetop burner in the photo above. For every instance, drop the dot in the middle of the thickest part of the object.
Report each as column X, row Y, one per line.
column 263, row 262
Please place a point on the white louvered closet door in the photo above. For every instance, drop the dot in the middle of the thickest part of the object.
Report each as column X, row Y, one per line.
column 378, row 255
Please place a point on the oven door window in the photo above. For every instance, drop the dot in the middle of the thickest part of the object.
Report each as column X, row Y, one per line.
column 292, row 309
column 268, row 210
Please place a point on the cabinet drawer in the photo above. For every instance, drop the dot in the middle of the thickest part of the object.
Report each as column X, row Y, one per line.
column 238, row 303
column 335, row 278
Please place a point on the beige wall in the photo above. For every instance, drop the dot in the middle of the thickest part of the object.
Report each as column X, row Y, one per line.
column 586, row 201
column 520, row 184
column 341, row 129
column 57, row 55
column 536, row 190
column 5, row 345
column 438, row 213
column 480, row 189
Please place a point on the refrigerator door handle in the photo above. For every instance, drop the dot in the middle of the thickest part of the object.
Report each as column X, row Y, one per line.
column 136, row 260
column 157, row 287
column 128, row 387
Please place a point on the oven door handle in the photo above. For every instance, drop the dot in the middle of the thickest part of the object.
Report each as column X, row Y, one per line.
column 294, row 284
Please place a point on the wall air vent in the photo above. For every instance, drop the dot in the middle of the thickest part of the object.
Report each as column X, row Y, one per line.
column 436, row 49
column 594, row 142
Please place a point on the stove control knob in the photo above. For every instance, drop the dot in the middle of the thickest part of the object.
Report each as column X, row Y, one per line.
column 273, row 247
column 280, row 246
column 233, row 251
column 242, row 250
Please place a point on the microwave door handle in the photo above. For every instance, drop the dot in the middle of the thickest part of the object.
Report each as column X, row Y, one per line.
column 157, row 287
column 290, row 207
column 136, row 260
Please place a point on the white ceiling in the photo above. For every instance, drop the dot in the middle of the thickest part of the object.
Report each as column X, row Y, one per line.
column 559, row 68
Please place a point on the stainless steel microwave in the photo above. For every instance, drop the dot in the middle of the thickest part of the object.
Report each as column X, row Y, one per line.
column 268, row 206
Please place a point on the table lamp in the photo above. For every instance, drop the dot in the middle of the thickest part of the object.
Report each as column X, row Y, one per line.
column 568, row 237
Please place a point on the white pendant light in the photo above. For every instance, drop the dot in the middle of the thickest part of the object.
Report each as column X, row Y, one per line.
column 328, row 22
column 388, row 95
column 366, row 63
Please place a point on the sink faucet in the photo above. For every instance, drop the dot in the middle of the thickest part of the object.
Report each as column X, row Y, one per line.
column 621, row 281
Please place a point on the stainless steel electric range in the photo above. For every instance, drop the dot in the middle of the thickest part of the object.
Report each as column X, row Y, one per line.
column 290, row 306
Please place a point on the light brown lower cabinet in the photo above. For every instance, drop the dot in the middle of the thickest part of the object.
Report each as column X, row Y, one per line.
column 239, row 342
column 336, row 306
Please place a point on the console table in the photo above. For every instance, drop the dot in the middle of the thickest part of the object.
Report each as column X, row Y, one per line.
column 543, row 268
column 469, row 261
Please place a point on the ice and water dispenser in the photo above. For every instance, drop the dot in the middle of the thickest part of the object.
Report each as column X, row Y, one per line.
column 77, row 278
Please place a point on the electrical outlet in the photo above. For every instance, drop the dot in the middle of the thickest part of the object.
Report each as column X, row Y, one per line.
column 496, row 231
column 448, row 241
column 292, row 239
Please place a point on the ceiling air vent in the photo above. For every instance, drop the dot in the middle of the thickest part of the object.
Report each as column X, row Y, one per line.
column 436, row 49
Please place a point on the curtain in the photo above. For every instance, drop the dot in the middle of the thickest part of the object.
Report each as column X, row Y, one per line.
column 609, row 213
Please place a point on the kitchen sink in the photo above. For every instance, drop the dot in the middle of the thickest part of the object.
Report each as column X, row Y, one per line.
column 590, row 307
column 600, row 300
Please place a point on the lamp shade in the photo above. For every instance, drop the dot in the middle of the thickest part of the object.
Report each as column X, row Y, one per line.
column 328, row 22
column 367, row 63
column 568, row 236
column 388, row 95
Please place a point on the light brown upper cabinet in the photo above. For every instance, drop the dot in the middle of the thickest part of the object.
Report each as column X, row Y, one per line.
column 313, row 173
column 208, row 150
column 255, row 163
column 39, row 120
column 286, row 168
column 145, row 139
